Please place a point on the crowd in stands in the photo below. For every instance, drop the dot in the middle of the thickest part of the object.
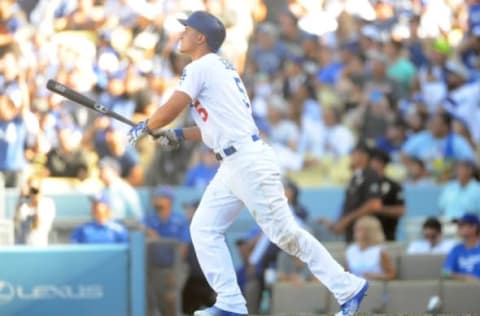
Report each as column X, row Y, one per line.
column 382, row 95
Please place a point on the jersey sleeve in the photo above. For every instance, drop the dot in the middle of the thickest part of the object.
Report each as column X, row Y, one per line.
column 191, row 81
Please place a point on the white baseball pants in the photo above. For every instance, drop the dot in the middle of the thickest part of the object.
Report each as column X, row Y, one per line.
column 251, row 177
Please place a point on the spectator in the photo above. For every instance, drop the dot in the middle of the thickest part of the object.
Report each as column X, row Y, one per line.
column 166, row 224
column 375, row 116
column 400, row 69
column 292, row 193
column 432, row 242
column 460, row 127
column 461, row 101
column 12, row 21
column 102, row 229
column 86, row 16
column 393, row 140
column 363, row 195
column 430, row 80
column 377, row 82
column 366, row 256
column 117, row 100
column 290, row 34
column 439, row 145
column 282, row 131
column 68, row 159
column 331, row 69
column 415, row 45
column 124, row 199
column 200, row 174
column 267, row 53
column 338, row 140
column 469, row 52
column 13, row 137
column 462, row 195
column 34, row 215
column 463, row 261
column 112, row 143
column 417, row 174
column 391, row 193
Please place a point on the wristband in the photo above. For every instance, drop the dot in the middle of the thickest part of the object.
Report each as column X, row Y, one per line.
column 179, row 133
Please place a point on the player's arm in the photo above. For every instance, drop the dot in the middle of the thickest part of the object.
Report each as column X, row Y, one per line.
column 163, row 116
column 169, row 111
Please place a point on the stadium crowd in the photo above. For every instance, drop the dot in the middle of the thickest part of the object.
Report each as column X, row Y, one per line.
column 367, row 94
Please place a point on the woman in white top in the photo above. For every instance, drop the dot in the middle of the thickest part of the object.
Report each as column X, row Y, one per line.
column 366, row 256
column 34, row 215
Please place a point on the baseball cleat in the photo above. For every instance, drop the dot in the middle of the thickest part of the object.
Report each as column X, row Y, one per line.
column 215, row 311
column 350, row 307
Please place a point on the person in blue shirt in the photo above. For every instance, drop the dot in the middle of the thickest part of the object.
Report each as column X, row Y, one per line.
column 200, row 174
column 267, row 53
column 116, row 99
column 164, row 224
column 439, row 146
column 461, row 195
column 102, row 229
column 473, row 14
column 13, row 137
column 393, row 140
column 463, row 261
column 110, row 142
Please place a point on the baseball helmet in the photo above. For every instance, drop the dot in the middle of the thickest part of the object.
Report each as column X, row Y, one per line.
column 209, row 25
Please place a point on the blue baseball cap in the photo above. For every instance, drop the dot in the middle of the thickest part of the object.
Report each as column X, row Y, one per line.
column 163, row 191
column 102, row 198
column 469, row 218
column 209, row 25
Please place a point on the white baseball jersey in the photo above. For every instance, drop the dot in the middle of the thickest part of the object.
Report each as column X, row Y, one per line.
column 250, row 178
column 220, row 104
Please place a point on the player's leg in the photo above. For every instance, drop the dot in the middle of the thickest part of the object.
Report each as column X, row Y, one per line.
column 216, row 212
column 258, row 185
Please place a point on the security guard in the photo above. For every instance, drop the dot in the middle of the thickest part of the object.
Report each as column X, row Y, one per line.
column 391, row 193
column 362, row 196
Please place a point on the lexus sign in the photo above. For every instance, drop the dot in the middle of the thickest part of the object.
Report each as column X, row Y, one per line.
column 9, row 292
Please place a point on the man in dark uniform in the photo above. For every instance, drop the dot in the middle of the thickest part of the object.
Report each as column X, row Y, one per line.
column 362, row 196
column 391, row 193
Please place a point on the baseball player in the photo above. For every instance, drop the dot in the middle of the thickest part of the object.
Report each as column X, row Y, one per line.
column 248, row 174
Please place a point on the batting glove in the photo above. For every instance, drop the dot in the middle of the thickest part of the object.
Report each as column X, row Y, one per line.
column 137, row 132
column 170, row 139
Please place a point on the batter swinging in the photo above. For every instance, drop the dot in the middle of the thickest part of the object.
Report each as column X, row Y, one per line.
column 248, row 174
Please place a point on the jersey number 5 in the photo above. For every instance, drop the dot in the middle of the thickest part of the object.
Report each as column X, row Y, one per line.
column 241, row 88
column 201, row 110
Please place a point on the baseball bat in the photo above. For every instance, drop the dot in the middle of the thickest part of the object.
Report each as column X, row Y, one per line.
column 81, row 99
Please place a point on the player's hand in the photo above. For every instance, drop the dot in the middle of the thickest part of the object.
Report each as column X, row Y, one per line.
column 137, row 132
column 169, row 139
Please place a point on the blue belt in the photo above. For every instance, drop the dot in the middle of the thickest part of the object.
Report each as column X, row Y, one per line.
column 231, row 149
